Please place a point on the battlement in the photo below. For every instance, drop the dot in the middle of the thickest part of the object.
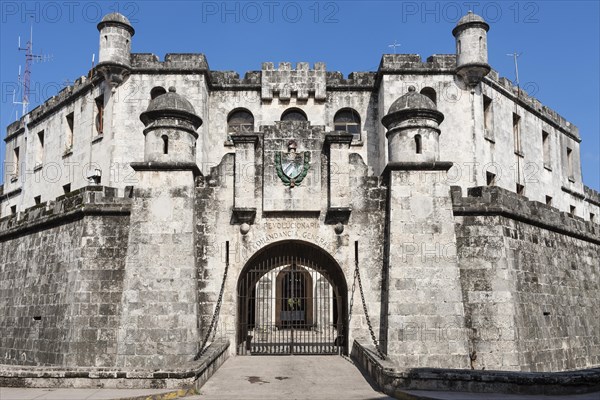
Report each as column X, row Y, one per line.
column 591, row 195
column 402, row 63
column 87, row 200
column 531, row 104
column 174, row 62
column 493, row 200
column 231, row 80
column 302, row 80
column 354, row 81
column 80, row 87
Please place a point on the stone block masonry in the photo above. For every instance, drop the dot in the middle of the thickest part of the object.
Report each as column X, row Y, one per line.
column 530, row 281
column 61, row 280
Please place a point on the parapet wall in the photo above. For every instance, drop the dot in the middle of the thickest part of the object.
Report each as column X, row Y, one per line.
column 61, row 280
column 529, row 277
column 285, row 80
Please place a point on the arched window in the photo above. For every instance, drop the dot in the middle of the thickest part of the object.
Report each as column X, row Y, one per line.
column 347, row 120
column 458, row 47
column 165, row 140
column 430, row 92
column 240, row 121
column 418, row 144
column 294, row 114
column 157, row 91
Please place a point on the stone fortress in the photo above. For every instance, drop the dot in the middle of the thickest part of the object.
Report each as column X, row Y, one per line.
column 151, row 193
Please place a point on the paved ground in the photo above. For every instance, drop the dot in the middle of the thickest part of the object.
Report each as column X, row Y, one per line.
column 269, row 377
column 73, row 394
column 288, row 377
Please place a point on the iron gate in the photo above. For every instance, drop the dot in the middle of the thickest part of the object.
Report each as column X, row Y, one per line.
column 289, row 304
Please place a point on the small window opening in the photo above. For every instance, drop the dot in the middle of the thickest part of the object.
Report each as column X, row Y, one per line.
column 548, row 200
column 39, row 154
column 157, row 91
column 520, row 189
column 458, row 47
column 430, row 93
column 240, row 121
column 418, row 144
column 572, row 210
column 100, row 114
column 593, row 217
column 546, row 148
column 13, row 210
column 487, row 115
column 37, row 318
column 165, row 140
column 294, row 114
column 37, row 200
column 16, row 161
column 490, row 178
column 570, row 163
column 347, row 120
column 70, row 130
column 67, row 188
column 517, row 133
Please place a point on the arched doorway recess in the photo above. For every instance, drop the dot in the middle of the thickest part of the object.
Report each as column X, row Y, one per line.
column 292, row 299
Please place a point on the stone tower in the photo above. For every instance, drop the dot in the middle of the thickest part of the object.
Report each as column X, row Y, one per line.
column 159, row 320
column 471, row 48
column 114, row 60
column 170, row 134
column 424, row 294
column 413, row 131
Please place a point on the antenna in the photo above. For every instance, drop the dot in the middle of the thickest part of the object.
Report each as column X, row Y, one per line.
column 396, row 44
column 515, row 56
column 30, row 58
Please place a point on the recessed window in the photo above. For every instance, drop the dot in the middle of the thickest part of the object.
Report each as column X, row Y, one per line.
column 294, row 114
column 430, row 93
column 418, row 144
column 67, row 188
column 458, row 49
column 593, row 217
column 165, row 140
column 13, row 209
column 546, row 148
column 70, row 119
column 39, row 150
column 517, row 134
column 16, row 160
column 240, row 121
column 37, row 200
column 570, row 163
column 548, row 200
column 99, row 114
column 490, row 178
column 347, row 120
column 157, row 91
column 572, row 210
column 520, row 189
column 487, row 118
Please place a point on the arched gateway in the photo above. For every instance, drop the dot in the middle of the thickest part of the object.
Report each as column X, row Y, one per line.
column 292, row 299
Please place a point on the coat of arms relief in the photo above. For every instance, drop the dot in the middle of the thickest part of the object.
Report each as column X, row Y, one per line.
column 292, row 166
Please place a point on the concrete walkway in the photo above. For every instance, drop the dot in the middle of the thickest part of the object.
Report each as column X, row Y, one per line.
column 288, row 377
column 7, row 393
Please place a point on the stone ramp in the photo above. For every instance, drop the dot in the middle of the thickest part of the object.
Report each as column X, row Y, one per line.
column 288, row 377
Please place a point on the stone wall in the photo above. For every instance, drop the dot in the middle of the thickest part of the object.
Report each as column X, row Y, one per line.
column 530, row 281
column 60, row 282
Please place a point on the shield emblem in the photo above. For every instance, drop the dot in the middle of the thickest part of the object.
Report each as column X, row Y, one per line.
column 293, row 169
column 292, row 166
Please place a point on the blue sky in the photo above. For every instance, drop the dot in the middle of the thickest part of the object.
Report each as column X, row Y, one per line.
column 559, row 42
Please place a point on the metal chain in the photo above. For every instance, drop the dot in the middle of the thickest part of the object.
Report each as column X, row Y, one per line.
column 364, row 303
column 352, row 297
column 215, row 317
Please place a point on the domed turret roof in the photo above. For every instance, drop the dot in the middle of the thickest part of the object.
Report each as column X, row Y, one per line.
column 412, row 105
column 116, row 18
column 468, row 19
column 412, row 100
column 170, row 104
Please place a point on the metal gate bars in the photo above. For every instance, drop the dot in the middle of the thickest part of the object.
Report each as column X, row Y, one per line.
column 289, row 305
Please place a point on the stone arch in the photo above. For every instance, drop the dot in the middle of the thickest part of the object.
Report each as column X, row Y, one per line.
column 316, row 265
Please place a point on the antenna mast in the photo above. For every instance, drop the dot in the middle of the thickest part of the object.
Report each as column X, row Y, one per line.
column 26, row 79
column 515, row 56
